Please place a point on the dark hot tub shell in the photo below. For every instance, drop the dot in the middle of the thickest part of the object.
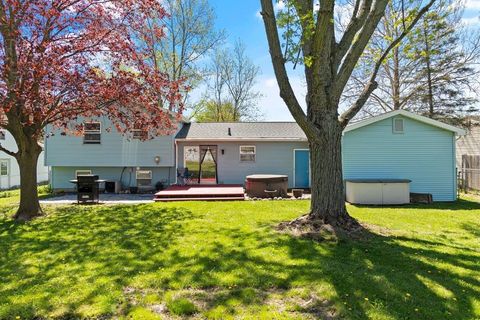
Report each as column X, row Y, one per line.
column 257, row 184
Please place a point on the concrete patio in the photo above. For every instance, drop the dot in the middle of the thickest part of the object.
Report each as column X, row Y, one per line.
column 105, row 198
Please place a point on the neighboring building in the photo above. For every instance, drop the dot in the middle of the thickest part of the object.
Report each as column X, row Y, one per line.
column 9, row 170
column 469, row 144
column 398, row 144
column 468, row 157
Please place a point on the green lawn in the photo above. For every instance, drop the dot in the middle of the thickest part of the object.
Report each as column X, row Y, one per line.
column 225, row 260
column 9, row 198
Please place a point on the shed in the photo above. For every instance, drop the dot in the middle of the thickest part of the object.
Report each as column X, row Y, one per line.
column 403, row 145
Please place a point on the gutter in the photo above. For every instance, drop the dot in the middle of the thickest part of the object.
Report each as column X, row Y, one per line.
column 241, row 139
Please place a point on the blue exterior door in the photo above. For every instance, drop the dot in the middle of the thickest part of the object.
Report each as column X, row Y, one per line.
column 302, row 169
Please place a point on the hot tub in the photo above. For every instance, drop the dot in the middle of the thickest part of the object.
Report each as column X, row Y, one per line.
column 263, row 185
column 378, row 191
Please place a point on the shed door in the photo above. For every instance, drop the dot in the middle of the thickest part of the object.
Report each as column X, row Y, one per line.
column 302, row 168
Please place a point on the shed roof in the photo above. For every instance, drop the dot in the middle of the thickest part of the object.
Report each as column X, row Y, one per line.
column 407, row 114
column 282, row 130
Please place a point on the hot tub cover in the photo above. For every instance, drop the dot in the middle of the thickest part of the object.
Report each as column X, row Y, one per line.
column 267, row 177
column 379, row 180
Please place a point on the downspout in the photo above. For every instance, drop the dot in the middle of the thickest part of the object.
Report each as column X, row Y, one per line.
column 455, row 171
column 175, row 146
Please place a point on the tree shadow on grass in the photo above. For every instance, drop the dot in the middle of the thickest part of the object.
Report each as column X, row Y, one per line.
column 458, row 205
column 80, row 261
column 77, row 261
column 383, row 277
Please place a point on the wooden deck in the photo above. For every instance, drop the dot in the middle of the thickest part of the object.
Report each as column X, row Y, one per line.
column 224, row 192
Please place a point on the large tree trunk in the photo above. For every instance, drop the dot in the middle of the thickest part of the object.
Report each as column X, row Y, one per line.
column 27, row 159
column 328, row 197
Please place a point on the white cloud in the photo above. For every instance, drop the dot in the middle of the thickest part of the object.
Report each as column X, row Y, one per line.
column 272, row 105
column 270, row 82
column 472, row 4
column 280, row 5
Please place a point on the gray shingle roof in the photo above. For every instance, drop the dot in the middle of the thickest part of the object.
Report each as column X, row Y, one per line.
column 283, row 130
column 241, row 130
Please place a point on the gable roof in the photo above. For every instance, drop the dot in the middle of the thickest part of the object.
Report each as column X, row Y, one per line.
column 280, row 131
column 242, row 131
column 406, row 114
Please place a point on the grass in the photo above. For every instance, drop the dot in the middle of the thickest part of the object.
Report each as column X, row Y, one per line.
column 208, row 169
column 225, row 260
column 10, row 198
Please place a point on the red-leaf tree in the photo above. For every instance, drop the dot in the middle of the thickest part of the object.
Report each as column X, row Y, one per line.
column 64, row 59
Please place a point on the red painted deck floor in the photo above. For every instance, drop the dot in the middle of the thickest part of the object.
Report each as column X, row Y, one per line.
column 224, row 192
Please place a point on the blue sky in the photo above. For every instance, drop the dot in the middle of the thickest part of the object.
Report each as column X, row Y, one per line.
column 241, row 19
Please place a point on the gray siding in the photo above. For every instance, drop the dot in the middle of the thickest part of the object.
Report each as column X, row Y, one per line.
column 423, row 154
column 271, row 158
column 468, row 144
column 115, row 150
column 60, row 176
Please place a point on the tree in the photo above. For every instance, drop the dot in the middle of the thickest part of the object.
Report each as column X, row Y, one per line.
column 65, row 59
column 211, row 111
column 231, row 87
column 432, row 71
column 447, row 71
column 190, row 25
column 329, row 59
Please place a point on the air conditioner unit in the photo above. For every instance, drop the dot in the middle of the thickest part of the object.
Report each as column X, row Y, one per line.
column 144, row 178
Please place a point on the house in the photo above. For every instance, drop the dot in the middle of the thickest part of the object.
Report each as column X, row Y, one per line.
column 469, row 144
column 9, row 170
column 468, row 157
column 398, row 144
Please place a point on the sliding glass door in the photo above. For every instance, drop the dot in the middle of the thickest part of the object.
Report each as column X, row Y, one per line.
column 201, row 162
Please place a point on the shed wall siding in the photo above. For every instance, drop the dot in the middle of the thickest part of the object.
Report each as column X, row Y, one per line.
column 271, row 158
column 60, row 176
column 115, row 150
column 423, row 154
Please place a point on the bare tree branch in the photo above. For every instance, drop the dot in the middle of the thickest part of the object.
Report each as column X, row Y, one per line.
column 10, row 153
column 278, row 61
column 372, row 84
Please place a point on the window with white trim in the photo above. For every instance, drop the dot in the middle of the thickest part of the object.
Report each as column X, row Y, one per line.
column 144, row 178
column 82, row 173
column 92, row 133
column 4, row 167
column 247, row 153
column 398, row 125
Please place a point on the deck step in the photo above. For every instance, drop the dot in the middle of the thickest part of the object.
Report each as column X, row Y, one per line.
column 231, row 195
column 163, row 199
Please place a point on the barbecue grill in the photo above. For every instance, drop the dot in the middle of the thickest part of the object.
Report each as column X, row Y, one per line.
column 87, row 188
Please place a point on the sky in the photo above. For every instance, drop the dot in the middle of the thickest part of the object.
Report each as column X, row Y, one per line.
column 241, row 20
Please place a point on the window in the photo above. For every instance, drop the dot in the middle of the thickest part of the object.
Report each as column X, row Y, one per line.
column 398, row 125
column 2, row 134
column 82, row 173
column 92, row 132
column 247, row 153
column 140, row 134
column 4, row 167
column 144, row 178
